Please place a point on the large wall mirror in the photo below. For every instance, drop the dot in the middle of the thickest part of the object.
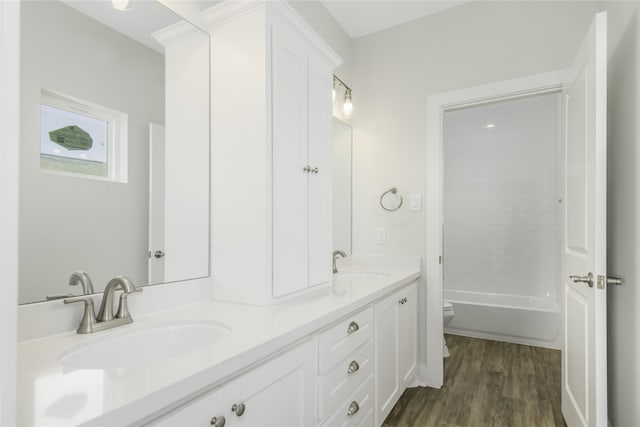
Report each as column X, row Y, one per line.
column 342, row 161
column 114, row 146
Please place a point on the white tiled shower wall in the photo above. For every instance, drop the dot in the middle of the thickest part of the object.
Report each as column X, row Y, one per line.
column 501, row 197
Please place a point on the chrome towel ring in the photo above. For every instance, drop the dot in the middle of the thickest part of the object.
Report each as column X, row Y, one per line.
column 393, row 190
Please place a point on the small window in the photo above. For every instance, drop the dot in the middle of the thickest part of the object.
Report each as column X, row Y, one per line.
column 82, row 139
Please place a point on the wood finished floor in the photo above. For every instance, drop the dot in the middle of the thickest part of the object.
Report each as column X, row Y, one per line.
column 487, row 383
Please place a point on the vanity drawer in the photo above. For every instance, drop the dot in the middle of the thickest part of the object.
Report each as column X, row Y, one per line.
column 340, row 340
column 336, row 385
column 362, row 399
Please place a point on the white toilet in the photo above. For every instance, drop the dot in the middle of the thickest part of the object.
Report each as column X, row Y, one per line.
column 447, row 311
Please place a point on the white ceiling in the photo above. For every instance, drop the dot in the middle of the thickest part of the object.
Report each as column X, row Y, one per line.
column 362, row 17
column 139, row 23
column 357, row 17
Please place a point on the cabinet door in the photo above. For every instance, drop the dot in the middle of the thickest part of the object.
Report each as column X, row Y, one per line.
column 320, row 149
column 198, row 412
column 279, row 393
column 290, row 157
column 386, row 356
column 407, row 335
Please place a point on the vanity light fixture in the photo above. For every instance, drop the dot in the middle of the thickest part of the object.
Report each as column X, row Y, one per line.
column 347, row 107
column 123, row 5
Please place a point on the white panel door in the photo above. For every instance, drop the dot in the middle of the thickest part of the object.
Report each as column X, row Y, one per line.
column 584, row 357
column 290, row 205
column 320, row 179
column 156, row 203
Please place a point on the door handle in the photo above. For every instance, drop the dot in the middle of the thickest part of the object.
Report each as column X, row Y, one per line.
column 602, row 280
column 588, row 279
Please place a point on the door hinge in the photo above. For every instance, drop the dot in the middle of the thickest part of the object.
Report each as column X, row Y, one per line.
column 440, row 259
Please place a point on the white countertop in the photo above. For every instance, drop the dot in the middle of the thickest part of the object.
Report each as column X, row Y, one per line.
column 52, row 394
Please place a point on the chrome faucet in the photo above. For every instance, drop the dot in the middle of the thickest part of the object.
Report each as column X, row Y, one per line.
column 106, row 319
column 335, row 257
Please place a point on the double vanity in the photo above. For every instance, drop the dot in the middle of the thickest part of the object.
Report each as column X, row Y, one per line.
column 342, row 355
column 228, row 198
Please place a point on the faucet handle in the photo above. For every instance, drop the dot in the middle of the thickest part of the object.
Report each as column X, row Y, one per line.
column 123, row 306
column 88, row 317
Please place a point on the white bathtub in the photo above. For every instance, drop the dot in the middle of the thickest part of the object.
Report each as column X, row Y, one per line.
column 511, row 318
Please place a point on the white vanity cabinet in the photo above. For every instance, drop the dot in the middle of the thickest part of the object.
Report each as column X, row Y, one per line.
column 278, row 393
column 271, row 171
column 345, row 371
column 301, row 145
column 395, row 347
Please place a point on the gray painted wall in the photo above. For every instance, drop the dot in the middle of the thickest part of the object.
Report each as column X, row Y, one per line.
column 394, row 71
column 69, row 223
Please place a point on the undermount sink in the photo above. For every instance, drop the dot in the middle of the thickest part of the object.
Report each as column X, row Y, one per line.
column 149, row 343
column 360, row 275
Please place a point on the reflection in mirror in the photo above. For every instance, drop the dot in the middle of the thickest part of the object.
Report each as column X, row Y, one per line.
column 342, row 140
column 113, row 179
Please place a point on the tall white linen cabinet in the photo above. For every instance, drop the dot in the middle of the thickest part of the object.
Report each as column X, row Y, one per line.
column 271, row 82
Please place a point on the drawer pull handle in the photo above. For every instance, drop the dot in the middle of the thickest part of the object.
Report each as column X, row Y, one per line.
column 353, row 367
column 403, row 300
column 353, row 326
column 238, row 408
column 218, row 421
column 353, row 408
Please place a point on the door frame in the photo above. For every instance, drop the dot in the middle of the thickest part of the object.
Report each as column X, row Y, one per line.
column 9, row 133
column 437, row 105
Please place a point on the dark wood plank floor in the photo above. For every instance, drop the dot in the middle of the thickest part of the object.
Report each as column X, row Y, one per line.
column 487, row 383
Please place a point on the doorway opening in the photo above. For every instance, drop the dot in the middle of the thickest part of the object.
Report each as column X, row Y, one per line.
column 440, row 106
column 501, row 219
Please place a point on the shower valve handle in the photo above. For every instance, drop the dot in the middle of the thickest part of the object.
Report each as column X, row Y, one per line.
column 588, row 279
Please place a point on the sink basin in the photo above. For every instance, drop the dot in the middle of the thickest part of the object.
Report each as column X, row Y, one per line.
column 150, row 343
column 360, row 275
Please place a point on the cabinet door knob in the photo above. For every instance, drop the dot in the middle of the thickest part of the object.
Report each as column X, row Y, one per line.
column 158, row 254
column 353, row 408
column 238, row 408
column 314, row 170
column 307, row 169
column 218, row 421
column 353, row 367
column 353, row 326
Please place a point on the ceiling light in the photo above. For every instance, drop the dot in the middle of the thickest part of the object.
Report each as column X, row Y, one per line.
column 489, row 125
column 124, row 5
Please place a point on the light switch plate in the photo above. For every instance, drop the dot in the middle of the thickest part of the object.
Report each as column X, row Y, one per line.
column 416, row 202
column 381, row 236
